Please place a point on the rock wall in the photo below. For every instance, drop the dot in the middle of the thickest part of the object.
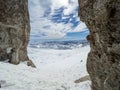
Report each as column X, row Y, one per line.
column 103, row 20
column 14, row 30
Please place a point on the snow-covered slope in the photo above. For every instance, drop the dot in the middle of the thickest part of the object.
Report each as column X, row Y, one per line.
column 56, row 70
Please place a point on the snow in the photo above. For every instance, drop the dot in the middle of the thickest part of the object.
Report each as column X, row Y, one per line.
column 9, row 50
column 56, row 70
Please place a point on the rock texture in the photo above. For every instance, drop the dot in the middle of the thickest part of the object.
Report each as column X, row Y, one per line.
column 103, row 20
column 14, row 30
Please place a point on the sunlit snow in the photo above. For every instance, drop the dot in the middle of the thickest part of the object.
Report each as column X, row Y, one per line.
column 56, row 70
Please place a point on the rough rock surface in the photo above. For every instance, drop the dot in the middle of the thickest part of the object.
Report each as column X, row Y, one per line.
column 103, row 20
column 14, row 30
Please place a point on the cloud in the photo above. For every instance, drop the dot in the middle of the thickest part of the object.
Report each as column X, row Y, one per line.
column 54, row 18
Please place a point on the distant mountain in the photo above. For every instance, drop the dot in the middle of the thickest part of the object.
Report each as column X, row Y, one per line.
column 61, row 45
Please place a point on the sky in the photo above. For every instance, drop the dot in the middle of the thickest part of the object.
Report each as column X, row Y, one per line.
column 56, row 19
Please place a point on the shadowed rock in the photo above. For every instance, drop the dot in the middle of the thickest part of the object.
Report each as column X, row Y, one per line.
column 103, row 20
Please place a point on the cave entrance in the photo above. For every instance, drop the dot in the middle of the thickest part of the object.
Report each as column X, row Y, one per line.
column 58, row 44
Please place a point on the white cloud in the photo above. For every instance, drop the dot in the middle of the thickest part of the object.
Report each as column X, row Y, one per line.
column 80, row 27
column 59, row 3
column 37, row 9
column 69, row 5
column 53, row 31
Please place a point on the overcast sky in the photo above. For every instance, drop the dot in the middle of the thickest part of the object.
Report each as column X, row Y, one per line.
column 56, row 19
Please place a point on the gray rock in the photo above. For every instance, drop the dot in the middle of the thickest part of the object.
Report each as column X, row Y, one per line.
column 14, row 30
column 102, row 17
column 30, row 63
column 83, row 79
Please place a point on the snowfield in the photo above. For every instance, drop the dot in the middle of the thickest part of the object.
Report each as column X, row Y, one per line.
column 56, row 70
